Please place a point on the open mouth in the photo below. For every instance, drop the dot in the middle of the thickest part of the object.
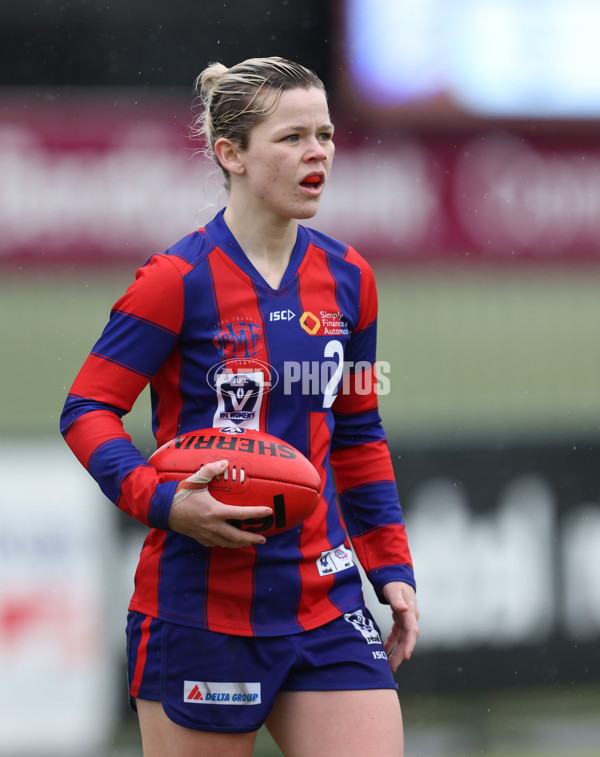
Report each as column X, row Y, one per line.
column 314, row 181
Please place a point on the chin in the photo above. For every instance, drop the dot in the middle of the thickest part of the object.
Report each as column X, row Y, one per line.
column 298, row 211
column 308, row 211
column 305, row 216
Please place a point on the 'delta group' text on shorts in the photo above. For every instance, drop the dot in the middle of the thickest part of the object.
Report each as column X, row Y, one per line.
column 216, row 682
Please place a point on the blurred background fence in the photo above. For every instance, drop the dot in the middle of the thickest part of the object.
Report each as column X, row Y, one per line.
column 468, row 173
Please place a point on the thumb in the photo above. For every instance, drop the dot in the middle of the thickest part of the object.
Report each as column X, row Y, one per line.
column 199, row 480
column 399, row 604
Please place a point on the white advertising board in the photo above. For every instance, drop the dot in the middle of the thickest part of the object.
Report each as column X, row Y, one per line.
column 56, row 676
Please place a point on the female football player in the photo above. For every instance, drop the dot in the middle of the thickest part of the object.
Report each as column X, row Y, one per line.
column 255, row 321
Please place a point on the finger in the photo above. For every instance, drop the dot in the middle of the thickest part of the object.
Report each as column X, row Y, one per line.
column 233, row 538
column 395, row 659
column 407, row 638
column 392, row 648
column 397, row 655
column 399, row 606
column 392, row 640
column 220, row 533
column 248, row 513
column 410, row 642
column 235, row 542
column 402, row 639
column 209, row 470
column 225, row 523
column 199, row 481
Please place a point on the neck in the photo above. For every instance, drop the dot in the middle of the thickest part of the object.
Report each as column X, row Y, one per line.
column 267, row 242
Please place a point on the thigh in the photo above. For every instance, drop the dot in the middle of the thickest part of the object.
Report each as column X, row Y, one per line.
column 322, row 723
column 161, row 737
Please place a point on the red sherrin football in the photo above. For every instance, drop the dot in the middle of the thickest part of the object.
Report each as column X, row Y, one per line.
column 262, row 470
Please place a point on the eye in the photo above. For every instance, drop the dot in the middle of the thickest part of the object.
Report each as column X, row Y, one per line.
column 291, row 138
column 326, row 136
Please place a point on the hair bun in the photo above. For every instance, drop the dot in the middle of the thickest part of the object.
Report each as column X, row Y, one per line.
column 209, row 77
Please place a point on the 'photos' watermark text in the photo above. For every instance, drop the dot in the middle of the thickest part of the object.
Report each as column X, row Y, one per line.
column 330, row 377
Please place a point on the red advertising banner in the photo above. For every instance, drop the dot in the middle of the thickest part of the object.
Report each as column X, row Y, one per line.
column 110, row 179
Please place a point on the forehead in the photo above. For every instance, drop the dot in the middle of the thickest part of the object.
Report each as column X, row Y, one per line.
column 297, row 107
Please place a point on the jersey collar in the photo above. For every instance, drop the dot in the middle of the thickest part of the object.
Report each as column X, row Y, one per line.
column 221, row 234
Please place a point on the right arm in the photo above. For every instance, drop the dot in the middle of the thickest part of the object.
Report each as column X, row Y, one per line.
column 142, row 332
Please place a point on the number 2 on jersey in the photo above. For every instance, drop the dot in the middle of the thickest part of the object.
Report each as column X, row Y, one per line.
column 333, row 349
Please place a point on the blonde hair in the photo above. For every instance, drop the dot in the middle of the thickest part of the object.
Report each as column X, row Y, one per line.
column 234, row 100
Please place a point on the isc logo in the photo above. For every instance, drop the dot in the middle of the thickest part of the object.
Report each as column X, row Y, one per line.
column 282, row 315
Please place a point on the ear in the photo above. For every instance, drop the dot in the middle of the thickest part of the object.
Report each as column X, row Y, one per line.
column 228, row 155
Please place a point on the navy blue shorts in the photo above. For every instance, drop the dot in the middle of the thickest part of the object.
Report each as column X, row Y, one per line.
column 216, row 682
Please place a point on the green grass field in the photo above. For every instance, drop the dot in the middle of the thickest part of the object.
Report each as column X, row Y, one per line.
column 472, row 352
column 492, row 352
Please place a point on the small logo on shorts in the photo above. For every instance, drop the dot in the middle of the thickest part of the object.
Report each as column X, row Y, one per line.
column 221, row 692
column 334, row 560
column 364, row 625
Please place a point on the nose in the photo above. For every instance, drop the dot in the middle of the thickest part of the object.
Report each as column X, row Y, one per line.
column 315, row 150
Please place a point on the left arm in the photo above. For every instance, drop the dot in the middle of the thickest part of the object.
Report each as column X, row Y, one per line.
column 366, row 485
column 373, row 517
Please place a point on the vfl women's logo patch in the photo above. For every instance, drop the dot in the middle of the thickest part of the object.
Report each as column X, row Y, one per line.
column 363, row 624
column 239, row 397
column 240, row 385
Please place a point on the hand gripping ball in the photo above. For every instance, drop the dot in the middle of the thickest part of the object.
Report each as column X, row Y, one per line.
column 262, row 470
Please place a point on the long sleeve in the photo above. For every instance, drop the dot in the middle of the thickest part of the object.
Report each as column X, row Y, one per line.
column 360, row 458
column 140, row 335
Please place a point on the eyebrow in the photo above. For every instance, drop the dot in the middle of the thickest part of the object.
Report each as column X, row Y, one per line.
column 324, row 127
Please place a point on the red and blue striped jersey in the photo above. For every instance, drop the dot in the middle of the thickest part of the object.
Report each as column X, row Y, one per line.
column 219, row 347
